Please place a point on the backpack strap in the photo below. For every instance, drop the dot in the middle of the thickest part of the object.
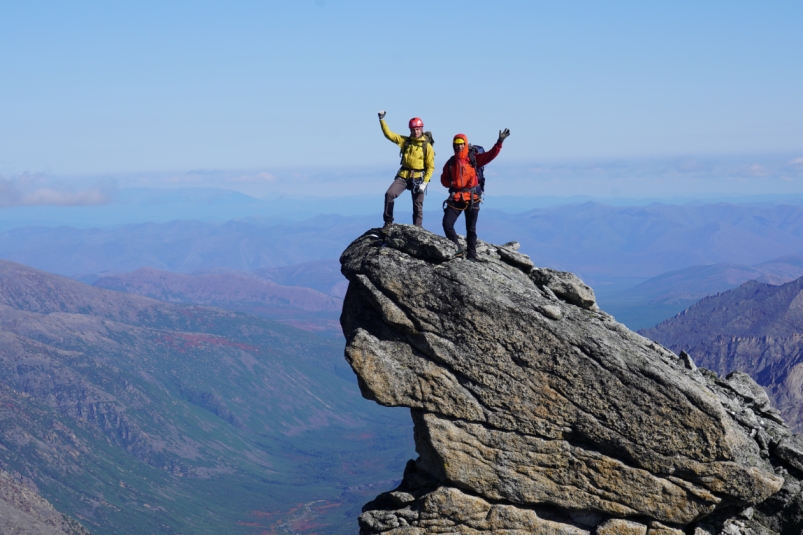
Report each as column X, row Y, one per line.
column 426, row 149
column 403, row 149
column 472, row 156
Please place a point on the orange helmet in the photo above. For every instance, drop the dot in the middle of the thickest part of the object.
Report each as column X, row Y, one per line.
column 415, row 122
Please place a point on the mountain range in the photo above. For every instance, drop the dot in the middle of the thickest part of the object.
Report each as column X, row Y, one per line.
column 755, row 329
column 138, row 416
column 197, row 406
column 301, row 307
column 321, row 275
column 596, row 241
column 646, row 263
column 665, row 295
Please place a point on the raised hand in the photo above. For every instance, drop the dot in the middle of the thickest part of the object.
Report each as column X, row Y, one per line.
column 503, row 134
column 381, row 115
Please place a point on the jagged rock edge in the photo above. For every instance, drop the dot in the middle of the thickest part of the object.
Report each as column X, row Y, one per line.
column 665, row 354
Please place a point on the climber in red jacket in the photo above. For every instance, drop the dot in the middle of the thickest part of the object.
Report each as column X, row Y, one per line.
column 460, row 176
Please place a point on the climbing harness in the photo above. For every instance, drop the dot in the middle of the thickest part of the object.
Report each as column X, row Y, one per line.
column 469, row 205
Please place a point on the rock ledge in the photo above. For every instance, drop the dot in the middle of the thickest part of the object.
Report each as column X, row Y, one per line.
column 535, row 412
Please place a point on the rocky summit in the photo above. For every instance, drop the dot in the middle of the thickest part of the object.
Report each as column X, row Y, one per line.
column 536, row 412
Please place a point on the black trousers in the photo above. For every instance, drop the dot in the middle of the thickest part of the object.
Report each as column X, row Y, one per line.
column 450, row 215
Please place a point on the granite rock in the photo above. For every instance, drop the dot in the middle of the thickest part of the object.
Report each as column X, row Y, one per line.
column 618, row 526
column 530, row 403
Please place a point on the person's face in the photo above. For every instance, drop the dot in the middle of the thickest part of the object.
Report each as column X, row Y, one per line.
column 416, row 131
column 458, row 147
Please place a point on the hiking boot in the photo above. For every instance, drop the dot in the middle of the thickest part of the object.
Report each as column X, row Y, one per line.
column 460, row 252
column 387, row 225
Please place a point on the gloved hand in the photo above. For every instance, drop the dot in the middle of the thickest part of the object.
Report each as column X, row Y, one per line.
column 422, row 187
column 381, row 115
column 503, row 134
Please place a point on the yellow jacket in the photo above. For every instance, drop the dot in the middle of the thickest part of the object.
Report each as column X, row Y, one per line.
column 413, row 157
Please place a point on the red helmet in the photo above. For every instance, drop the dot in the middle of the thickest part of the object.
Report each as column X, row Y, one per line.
column 415, row 122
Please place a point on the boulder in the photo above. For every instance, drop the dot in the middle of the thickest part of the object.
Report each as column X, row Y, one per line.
column 790, row 449
column 528, row 400
column 515, row 258
column 566, row 286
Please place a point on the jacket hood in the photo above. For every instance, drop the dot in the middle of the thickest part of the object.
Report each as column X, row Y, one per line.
column 464, row 150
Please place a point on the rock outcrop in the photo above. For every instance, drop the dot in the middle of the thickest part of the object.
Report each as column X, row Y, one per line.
column 535, row 412
column 23, row 511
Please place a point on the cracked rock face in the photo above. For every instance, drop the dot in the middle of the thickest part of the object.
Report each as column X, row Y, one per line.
column 533, row 408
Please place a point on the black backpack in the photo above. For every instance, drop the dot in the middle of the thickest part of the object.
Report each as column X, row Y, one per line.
column 473, row 150
column 428, row 142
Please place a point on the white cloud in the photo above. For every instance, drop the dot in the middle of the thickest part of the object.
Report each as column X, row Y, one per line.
column 759, row 170
column 52, row 197
column 31, row 190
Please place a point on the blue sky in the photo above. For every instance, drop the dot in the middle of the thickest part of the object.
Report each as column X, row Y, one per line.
column 119, row 89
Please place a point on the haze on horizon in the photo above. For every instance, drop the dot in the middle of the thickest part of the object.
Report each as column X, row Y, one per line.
column 641, row 99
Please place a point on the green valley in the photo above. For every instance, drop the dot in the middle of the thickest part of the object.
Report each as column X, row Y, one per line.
column 137, row 416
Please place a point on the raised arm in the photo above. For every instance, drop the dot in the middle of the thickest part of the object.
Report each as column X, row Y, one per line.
column 487, row 157
column 395, row 138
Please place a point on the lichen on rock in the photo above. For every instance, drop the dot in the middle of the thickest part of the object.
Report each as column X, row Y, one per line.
column 534, row 411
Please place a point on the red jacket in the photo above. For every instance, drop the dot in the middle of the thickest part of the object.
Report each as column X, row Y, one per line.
column 459, row 174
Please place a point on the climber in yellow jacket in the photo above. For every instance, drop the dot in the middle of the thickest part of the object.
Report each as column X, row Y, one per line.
column 417, row 165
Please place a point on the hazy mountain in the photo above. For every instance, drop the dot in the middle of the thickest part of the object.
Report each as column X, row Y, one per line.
column 129, row 206
column 321, row 275
column 304, row 308
column 781, row 270
column 661, row 297
column 756, row 328
column 593, row 240
column 181, row 246
column 612, row 248
column 137, row 416
column 598, row 240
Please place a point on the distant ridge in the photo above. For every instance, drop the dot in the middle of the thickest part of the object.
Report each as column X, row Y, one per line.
column 756, row 328
column 667, row 294
column 304, row 308
column 595, row 240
